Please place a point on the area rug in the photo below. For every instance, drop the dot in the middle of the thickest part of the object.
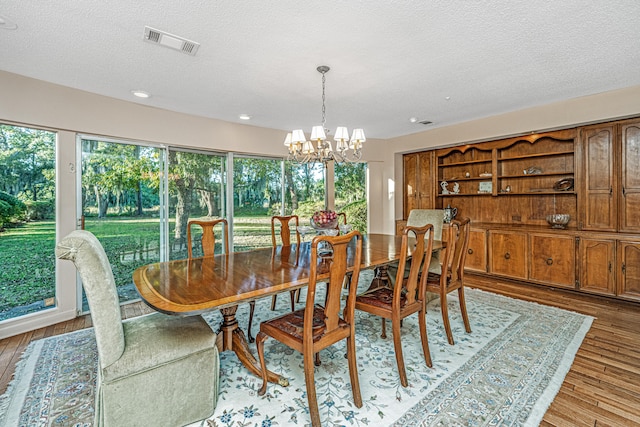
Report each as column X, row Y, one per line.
column 506, row 372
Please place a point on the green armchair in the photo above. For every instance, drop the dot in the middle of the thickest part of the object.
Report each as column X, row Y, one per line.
column 153, row 370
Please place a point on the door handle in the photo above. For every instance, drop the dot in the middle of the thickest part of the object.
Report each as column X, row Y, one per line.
column 470, row 251
column 507, row 255
column 549, row 261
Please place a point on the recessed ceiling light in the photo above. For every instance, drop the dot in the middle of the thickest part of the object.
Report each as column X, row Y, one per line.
column 140, row 93
column 413, row 119
column 244, row 117
column 7, row 24
column 447, row 98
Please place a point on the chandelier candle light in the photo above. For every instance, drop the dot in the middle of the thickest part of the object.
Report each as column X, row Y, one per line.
column 302, row 150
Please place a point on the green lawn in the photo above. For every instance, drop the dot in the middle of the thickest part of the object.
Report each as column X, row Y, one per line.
column 27, row 261
column 27, row 252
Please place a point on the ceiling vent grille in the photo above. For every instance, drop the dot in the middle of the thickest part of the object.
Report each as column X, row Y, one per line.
column 163, row 38
column 425, row 122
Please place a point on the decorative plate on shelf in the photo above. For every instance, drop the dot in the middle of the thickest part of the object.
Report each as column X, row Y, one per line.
column 565, row 184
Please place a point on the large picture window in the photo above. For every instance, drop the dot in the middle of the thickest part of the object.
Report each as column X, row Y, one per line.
column 27, row 221
column 137, row 199
column 121, row 206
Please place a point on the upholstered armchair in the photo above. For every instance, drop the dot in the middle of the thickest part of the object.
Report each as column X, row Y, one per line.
column 422, row 217
column 153, row 370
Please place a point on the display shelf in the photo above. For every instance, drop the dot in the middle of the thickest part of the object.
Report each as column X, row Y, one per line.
column 535, row 155
column 567, row 174
column 531, row 193
column 463, row 163
column 465, row 195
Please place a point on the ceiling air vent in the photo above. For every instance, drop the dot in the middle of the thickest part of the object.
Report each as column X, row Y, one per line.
column 425, row 122
column 163, row 38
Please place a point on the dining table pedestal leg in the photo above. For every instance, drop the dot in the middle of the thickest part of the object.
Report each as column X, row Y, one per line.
column 233, row 339
column 380, row 278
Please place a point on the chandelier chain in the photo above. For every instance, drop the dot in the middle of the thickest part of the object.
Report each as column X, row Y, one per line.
column 324, row 74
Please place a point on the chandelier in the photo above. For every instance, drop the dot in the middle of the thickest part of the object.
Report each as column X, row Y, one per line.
column 318, row 148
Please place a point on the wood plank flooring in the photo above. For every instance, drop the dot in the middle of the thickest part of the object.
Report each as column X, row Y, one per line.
column 601, row 389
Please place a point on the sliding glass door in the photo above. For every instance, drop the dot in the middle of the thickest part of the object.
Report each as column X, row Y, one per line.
column 197, row 190
column 121, row 205
column 257, row 196
column 27, row 221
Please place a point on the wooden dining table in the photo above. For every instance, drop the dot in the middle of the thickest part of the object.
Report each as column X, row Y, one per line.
column 194, row 286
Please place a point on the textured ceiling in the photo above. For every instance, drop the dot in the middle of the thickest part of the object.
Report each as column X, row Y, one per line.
column 443, row 61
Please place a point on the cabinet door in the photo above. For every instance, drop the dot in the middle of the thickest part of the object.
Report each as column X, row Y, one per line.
column 629, row 270
column 425, row 181
column 477, row 252
column 507, row 254
column 553, row 260
column 596, row 266
column 410, row 183
column 598, row 204
column 630, row 178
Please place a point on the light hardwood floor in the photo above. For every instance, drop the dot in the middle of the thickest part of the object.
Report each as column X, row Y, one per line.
column 601, row 389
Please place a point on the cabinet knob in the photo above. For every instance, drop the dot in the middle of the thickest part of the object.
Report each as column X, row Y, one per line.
column 507, row 255
column 549, row 261
column 470, row 251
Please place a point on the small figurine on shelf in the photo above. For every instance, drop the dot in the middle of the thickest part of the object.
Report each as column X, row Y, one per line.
column 444, row 185
column 456, row 188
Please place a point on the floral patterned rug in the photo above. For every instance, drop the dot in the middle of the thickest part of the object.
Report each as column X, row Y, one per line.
column 506, row 372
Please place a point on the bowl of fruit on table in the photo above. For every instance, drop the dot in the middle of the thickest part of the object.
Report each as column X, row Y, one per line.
column 324, row 220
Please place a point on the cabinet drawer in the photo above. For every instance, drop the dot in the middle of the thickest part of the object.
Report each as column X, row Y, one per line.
column 476, row 259
column 507, row 254
column 553, row 260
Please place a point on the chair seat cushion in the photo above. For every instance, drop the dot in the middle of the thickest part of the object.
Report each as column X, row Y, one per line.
column 292, row 323
column 380, row 297
column 158, row 339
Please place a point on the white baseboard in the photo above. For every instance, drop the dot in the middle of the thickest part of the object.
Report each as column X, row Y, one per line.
column 33, row 321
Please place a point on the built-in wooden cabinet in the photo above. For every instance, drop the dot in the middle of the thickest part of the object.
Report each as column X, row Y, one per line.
column 629, row 195
column 418, row 181
column 552, row 259
column 508, row 188
column 597, row 261
column 508, row 253
column 628, row 285
column 610, row 177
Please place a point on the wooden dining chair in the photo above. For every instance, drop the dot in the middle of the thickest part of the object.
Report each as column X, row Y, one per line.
column 285, row 239
column 452, row 276
column 208, row 240
column 406, row 296
column 342, row 220
column 317, row 326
